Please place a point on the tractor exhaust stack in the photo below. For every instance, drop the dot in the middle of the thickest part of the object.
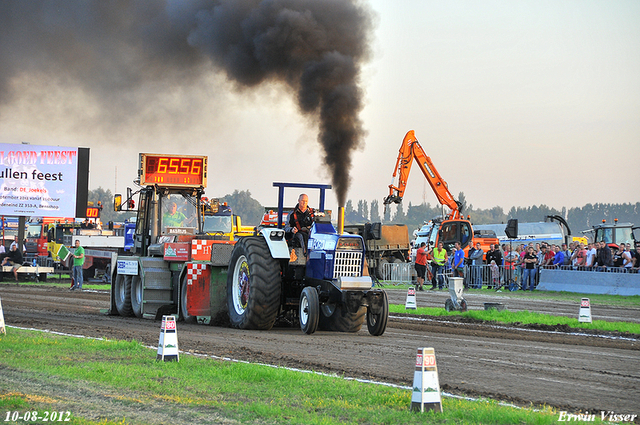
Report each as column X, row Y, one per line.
column 340, row 220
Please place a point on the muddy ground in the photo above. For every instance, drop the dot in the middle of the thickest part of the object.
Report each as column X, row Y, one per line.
column 557, row 367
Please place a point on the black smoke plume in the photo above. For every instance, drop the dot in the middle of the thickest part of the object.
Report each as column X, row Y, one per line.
column 109, row 47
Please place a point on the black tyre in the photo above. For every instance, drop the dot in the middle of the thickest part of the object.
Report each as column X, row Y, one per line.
column 377, row 323
column 136, row 294
column 184, row 310
column 463, row 305
column 336, row 318
column 380, row 268
column 309, row 310
column 106, row 277
column 253, row 285
column 122, row 295
column 448, row 305
column 88, row 273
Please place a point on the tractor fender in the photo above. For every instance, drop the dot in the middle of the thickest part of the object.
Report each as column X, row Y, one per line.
column 276, row 242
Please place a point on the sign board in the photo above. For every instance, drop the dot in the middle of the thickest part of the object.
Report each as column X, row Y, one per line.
column 173, row 170
column 45, row 181
column 177, row 251
column 128, row 267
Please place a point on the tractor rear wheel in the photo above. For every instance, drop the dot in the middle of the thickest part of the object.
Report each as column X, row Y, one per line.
column 336, row 318
column 377, row 323
column 136, row 294
column 122, row 295
column 184, row 310
column 309, row 310
column 253, row 285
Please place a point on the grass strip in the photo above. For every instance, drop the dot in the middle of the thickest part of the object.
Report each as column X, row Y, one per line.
column 522, row 318
column 129, row 376
column 603, row 299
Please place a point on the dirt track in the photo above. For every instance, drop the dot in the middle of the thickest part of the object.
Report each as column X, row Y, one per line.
column 557, row 368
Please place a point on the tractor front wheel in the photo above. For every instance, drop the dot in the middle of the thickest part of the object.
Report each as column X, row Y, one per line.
column 309, row 310
column 377, row 323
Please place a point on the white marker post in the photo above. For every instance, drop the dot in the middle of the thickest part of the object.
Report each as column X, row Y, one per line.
column 585, row 311
column 410, row 303
column 2, row 329
column 426, row 386
column 168, row 344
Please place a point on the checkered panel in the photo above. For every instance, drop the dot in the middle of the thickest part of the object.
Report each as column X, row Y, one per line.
column 194, row 270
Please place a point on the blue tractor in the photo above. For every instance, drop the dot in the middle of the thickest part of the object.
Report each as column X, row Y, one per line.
column 270, row 278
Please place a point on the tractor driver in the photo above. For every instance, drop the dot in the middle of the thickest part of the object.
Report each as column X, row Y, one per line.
column 173, row 217
column 300, row 221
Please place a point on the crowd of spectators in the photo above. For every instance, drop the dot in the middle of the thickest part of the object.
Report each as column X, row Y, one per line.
column 521, row 263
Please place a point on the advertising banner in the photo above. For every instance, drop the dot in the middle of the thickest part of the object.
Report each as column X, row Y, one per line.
column 39, row 180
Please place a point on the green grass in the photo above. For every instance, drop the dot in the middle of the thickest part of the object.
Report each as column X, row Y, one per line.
column 64, row 283
column 612, row 300
column 522, row 317
column 128, row 373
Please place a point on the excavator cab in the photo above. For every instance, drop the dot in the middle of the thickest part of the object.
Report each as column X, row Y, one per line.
column 452, row 231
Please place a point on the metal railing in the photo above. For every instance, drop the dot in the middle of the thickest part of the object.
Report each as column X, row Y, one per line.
column 397, row 273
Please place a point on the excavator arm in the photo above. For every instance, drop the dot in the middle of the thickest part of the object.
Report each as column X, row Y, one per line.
column 410, row 150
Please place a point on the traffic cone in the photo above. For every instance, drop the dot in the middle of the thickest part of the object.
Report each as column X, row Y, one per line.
column 168, row 344
column 2, row 329
column 410, row 303
column 585, row 311
column 426, row 386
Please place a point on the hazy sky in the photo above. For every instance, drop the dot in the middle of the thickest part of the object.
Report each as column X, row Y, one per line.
column 517, row 103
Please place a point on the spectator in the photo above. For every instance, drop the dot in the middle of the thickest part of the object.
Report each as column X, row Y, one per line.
column 14, row 259
column 558, row 259
column 458, row 261
column 510, row 260
column 542, row 254
column 591, row 256
column 494, row 281
column 549, row 256
column 567, row 252
column 78, row 262
column 580, row 257
column 421, row 265
column 440, row 258
column 604, row 257
column 637, row 258
column 627, row 261
column 529, row 272
column 475, row 258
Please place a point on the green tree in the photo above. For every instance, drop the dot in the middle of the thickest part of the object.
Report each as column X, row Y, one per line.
column 105, row 198
column 375, row 212
column 245, row 206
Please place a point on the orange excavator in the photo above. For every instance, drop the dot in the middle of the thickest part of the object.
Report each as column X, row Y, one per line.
column 453, row 228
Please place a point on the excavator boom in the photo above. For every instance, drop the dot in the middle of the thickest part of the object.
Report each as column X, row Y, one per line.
column 410, row 150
